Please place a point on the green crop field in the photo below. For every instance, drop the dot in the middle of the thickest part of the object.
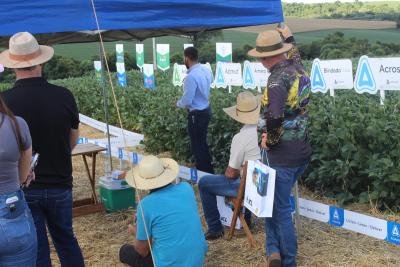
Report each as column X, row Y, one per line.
column 238, row 39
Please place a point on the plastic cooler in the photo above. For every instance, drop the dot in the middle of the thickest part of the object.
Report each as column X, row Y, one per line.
column 116, row 194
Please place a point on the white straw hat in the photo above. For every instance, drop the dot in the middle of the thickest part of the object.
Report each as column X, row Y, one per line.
column 153, row 172
column 247, row 108
column 24, row 51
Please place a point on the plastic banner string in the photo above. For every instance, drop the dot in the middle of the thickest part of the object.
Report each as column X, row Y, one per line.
column 139, row 197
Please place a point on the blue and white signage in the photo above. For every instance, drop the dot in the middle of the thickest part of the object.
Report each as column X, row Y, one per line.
column 336, row 216
column 318, row 83
column 220, row 81
column 148, row 76
column 228, row 74
column 365, row 80
column 393, row 234
column 121, row 74
column 255, row 75
column 208, row 66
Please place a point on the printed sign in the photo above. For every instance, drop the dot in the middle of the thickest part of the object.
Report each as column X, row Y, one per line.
column 187, row 45
column 254, row 75
column 208, row 66
column 393, row 232
column 135, row 159
column 119, row 48
column 336, row 216
column 178, row 74
column 226, row 212
column 148, row 75
column 314, row 210
column 260, row 188
column 163, row 56
column 121, row 74
column 228, row 74
column 193, row 175
column 97, row 69
column 223, row 52
column 364, row 224
column 331, row 74
column 140, row 55
column 375, row 74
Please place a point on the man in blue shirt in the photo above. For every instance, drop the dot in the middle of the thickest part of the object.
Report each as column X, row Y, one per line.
column 195, row 98
column 167, row 218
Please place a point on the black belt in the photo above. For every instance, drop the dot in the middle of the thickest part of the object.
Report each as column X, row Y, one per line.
column 196, row 111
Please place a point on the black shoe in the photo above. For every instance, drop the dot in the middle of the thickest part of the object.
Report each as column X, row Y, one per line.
column 213, row 236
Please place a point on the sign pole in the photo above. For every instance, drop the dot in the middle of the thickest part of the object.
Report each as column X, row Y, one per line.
column 154, row 54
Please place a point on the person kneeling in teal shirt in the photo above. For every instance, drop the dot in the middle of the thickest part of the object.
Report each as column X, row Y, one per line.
column 167, row 219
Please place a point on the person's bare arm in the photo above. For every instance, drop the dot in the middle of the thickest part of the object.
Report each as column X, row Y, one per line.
column 232, row 173
column 24, row 164
column 141, row 246
column 73, row 137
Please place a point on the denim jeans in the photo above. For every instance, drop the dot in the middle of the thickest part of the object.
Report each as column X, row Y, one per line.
column 280, row 233
column 18, row 244
column 53, row 207
column 197, row 128
column 211, row 186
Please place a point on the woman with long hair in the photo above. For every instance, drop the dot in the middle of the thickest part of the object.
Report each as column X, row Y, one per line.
column 18, row 243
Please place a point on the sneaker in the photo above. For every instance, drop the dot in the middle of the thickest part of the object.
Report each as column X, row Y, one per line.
column 213, row 236
column 274, row 260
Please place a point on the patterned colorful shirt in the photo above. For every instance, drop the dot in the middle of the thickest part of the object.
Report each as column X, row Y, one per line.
column 284, row 111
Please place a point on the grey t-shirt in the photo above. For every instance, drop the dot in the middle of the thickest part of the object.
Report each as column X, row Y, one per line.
column 9, row 153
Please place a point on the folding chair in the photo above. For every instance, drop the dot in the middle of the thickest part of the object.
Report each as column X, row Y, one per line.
column 237, row 212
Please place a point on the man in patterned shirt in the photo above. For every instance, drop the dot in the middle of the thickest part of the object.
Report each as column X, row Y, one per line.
column 284, row 135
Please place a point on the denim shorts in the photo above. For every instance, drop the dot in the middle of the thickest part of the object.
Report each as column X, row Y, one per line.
column 18, row 241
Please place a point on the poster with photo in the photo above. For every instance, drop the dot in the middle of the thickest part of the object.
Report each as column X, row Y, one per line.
column 260, row 188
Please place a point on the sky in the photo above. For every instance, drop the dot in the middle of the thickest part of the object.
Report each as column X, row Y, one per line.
column 325, row 1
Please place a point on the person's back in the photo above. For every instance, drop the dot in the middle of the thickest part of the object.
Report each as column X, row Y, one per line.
column 51, row 113
column 174, row 225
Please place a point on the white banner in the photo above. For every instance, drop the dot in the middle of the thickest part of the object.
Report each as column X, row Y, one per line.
column 228, row 74
column 254, row 75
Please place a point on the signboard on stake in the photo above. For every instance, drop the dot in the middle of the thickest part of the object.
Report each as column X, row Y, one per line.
column 223, row 52
column 178, row 74
column 97, row 69
column 121, row 74
column 148, row 76
column 228, row 74
column 330, row 75
column 208, row 66
column 119, row 48
column 163, row 56
column 255, row 75
column 140, row 55
column 375, row 74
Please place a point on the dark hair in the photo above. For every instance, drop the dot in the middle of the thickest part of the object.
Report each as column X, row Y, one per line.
column 191, row 53
column 17, row 132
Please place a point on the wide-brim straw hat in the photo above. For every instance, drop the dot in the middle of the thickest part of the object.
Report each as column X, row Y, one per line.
column 269, row 44
column 152, row 173
column 247, row 108
column 24, row 51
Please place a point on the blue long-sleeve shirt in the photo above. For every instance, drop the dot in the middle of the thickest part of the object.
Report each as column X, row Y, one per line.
column 196, row 88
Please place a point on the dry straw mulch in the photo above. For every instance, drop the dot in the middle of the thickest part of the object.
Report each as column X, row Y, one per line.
column 100, row 236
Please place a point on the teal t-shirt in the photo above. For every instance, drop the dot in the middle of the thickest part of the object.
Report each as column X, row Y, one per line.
column 173, row 223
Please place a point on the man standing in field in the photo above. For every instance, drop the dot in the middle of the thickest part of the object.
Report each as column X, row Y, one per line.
column 195, row 98
column 284, row 135
column 53, row 120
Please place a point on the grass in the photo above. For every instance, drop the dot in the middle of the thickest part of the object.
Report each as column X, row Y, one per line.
column 238, row 39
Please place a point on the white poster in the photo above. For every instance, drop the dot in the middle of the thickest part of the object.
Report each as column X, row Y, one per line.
column 228, row 74
column 187, row 45
column 254, row 75
column 226, row 212
column 223, row 52
column 179, row 74
column 260, row 188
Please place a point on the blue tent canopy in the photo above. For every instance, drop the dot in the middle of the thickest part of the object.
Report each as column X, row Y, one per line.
column 55, row 21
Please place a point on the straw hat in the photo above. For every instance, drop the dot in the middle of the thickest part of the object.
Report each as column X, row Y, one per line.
column 247, row 109
column 153, row 172
column 24, row 51
column 269, row 44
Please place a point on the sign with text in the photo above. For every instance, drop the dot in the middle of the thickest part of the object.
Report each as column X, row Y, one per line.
column 148, row 75
column 163, row 56
column 140, row 55
column 260, row 188
column 208, row 66
column 119, row 49
column 375, row 74
column 121, row 74
column 228, row 74
column 331, row 74
column 254, row 75
column 364, row 224
column 226, row 212
column 178, row 74
column 223, row 52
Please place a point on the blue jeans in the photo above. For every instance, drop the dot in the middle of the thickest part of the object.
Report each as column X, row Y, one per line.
column 197, row 128
column 280, row 234
column 53, row 207
column 18, row 244
column 211, row 186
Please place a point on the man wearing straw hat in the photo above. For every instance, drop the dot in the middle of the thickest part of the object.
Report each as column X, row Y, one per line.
column 284, row 134
column 244, row 147
column 168, row 230
column 53, row 120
